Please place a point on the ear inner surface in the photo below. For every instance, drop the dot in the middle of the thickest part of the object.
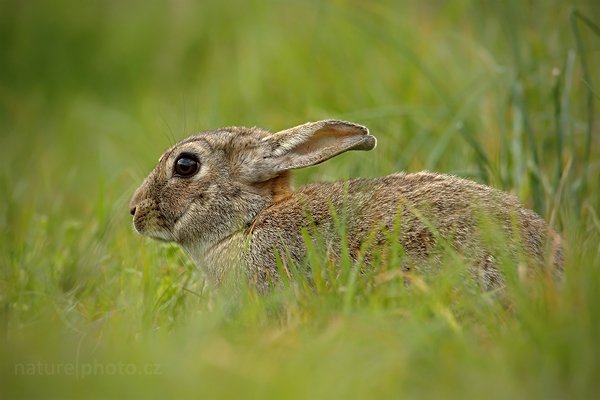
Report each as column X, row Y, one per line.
column 326, row 139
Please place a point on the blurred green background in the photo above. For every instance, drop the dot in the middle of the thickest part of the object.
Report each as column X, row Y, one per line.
column 91, row 93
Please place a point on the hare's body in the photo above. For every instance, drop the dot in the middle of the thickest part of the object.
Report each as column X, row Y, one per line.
column 430, row 208
column 236, row 210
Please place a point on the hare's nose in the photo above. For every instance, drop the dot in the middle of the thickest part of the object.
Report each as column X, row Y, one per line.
column 132, row 211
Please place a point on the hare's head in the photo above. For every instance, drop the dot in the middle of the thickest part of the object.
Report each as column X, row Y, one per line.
column 214, row 183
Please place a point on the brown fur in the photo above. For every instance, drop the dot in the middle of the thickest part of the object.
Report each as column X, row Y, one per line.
column 240, row 213
column 279, row 187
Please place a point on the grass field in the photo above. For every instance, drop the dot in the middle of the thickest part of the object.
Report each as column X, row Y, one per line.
column 91, row 93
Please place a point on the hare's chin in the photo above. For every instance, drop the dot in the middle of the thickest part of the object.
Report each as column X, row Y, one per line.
column 163, row 236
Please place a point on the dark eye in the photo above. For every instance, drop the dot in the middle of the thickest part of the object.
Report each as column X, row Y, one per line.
column 185, row 165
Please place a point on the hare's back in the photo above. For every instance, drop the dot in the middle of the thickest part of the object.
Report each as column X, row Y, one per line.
column 420, row 198
column 424, row 206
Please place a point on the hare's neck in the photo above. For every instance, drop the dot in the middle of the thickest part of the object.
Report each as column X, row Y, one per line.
column 218, row 259
column 221, row 249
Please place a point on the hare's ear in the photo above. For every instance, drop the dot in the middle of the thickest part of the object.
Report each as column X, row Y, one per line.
column 313, row 143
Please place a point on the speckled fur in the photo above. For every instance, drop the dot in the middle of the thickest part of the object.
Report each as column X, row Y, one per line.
column 239, row 210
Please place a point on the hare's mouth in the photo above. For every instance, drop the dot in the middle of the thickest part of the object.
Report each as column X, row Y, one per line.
column 157, row 234
column 140, row 225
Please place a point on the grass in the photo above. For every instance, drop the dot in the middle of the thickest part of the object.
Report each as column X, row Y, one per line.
column 90, row 96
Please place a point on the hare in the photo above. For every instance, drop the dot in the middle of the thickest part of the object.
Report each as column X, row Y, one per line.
column 225, row 197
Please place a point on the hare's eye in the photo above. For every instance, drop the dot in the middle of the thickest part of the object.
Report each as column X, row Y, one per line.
column 186, row 166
